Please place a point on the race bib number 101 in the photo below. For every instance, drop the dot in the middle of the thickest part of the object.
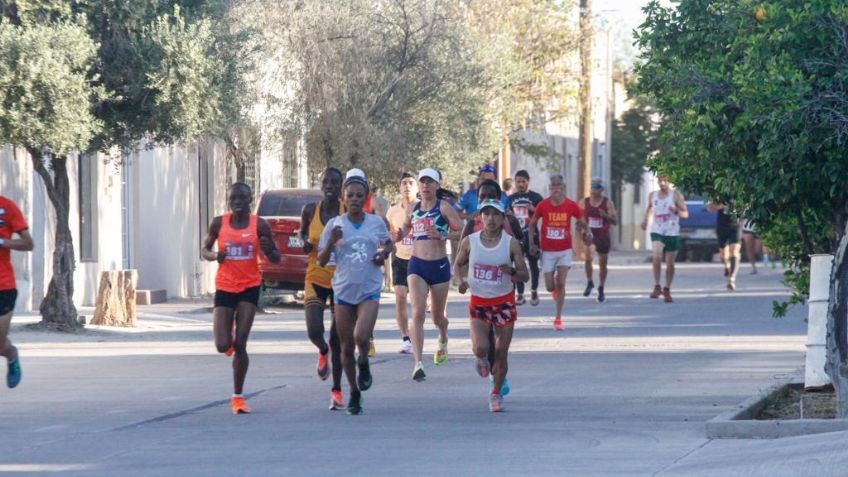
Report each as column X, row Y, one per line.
column 239, row 251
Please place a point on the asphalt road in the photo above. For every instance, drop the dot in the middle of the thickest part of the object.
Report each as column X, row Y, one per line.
column 624, row 390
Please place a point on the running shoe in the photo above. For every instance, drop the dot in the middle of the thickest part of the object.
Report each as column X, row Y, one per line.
column 589, row 287
column 504, row 387
column 13, row 376
column 558, row 324
column 482, row 367
column 667, row 295
column 731, row 285
column 519, row 300
column 754, row 271
column 323, row 366
column 534, row 298
column 406, row 347
column 657, row 292
column 364, row 379
column 336, row 400
column 495, row 402
column 232, row 349
column 372, row 350
column 441, row 356
column 601, row 296
column 418, row 372
column 238, row 405
column 354, row 406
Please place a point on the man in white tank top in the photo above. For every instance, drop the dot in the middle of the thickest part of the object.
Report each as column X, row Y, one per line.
column 495, row 263
column 666, row 207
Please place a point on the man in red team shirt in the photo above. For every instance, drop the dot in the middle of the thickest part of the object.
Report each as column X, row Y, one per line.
column 12, row 222
column 555, row 214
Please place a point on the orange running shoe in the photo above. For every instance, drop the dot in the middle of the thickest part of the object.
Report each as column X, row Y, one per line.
column 238, row 405
column 336, row 400
column 667, row 295
column 232, row 349
column 558, row 324
column 323, row 366
column 657, row 292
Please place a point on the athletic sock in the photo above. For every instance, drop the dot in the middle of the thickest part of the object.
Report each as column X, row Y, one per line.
column 238, row 395
column 406, row 338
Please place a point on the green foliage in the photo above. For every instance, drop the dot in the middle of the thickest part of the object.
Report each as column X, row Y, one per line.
column 754, row 111
column 46, row 95
column 634, row 138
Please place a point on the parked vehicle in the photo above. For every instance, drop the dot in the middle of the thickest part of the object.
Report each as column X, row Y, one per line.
column 282, row 209
column 697, row 232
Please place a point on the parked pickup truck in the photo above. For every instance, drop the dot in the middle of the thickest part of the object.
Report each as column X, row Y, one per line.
column 282, row 209
column 697, row 232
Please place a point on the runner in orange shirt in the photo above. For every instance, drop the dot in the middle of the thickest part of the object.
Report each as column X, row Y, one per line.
column 239, row 236
column 12, row 222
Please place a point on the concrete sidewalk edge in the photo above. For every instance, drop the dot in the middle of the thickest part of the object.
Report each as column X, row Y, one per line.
column 740, row 422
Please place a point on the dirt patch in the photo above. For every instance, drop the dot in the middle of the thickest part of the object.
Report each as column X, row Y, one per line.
column 795, row 403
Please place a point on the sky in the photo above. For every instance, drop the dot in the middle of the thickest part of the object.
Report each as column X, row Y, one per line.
column 624, row 16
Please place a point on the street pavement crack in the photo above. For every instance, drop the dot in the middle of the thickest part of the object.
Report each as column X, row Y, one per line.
column 682, row 457
column 185, row 412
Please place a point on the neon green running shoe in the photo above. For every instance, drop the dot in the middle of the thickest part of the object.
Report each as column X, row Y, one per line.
column 441, row 356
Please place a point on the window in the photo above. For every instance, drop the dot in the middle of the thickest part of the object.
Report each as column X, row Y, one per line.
column 87, row 208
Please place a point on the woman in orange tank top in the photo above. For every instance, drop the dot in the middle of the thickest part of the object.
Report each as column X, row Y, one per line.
column 239, row 236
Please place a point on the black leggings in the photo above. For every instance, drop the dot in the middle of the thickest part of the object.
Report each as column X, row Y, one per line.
column 534, row 276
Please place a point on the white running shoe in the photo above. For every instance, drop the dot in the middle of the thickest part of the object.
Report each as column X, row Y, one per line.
column 406, row 347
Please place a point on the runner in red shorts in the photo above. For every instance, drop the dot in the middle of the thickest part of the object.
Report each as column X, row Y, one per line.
column 600, row 214
column 495, row 263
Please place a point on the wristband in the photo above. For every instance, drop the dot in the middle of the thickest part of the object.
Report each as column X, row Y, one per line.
column 2, row 242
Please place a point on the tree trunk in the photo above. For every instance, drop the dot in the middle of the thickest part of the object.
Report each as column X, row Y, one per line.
column 57, row 309
column 837, row 326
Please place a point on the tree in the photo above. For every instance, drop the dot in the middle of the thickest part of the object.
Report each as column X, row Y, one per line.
column 94, row 76
column 633, row 141
column 526, row 48
column 46, row 106
column 753, row 103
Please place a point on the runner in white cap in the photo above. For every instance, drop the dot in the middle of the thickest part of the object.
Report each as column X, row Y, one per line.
column 429, row 272
column 495, row 263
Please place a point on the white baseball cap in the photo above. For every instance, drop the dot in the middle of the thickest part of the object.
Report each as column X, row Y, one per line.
column 431, row 173
column 355, row 173
column 495, row 204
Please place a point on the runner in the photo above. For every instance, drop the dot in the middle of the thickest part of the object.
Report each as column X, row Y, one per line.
column 491, row 255
column 555, row 214
column 600, row 214
column 750, row 239
column 523, row 203
column 667, row 207
column 397, row 215
column 239, row 236
column 355, row 239
column 468, row 202
column 429, row 270
column 491, row 190
column 318, row 291
column 728, row 233
column 12, row 222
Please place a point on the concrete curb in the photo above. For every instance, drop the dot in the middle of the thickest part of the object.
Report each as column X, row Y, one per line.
column 739, row 423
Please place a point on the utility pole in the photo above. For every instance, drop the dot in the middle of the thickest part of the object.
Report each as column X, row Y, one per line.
column 584, row 151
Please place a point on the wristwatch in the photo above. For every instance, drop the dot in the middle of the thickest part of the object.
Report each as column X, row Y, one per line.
column 512, row 271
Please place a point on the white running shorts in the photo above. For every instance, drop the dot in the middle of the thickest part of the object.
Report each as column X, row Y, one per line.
column 552, row 260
